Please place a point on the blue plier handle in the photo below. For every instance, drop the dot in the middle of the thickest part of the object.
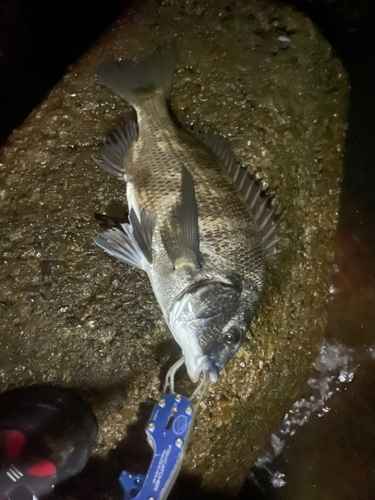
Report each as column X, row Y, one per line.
column 167, row 433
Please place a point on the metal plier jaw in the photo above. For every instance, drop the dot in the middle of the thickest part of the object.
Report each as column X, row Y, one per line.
column 167, row 433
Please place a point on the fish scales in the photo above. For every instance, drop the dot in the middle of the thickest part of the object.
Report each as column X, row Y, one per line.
column 226, row 228
column 208, row 255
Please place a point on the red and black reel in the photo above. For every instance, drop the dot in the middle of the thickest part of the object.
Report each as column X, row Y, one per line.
column 46, row 436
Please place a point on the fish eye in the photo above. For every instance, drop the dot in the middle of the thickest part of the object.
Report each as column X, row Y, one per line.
column 232, row 336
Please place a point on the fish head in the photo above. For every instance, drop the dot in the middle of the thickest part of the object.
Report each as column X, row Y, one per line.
column 210, row 322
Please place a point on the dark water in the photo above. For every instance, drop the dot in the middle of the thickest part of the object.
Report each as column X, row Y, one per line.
column 325, row 447
column 38, row 40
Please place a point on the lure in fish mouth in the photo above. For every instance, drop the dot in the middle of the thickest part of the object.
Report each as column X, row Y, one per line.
column 198, row 225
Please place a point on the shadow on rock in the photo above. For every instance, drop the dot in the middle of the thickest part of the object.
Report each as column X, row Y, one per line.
column 99, row 479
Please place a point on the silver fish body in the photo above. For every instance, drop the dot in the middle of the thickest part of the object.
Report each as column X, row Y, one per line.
column 203, row 248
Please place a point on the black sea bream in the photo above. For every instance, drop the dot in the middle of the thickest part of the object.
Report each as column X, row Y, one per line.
column 199, row 226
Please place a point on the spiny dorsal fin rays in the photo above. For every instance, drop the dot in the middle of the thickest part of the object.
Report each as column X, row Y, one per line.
column 260, row 210
column 134, row 243
column 271, row 232
column 180, row 235
column 251, row 192
column 263, row 222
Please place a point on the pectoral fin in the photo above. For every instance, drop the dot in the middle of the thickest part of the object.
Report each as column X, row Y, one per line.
column 143, row 231
column 180, row 235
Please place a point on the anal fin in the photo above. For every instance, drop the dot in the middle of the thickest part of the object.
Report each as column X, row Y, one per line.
column 114, row 151
column 132, row 245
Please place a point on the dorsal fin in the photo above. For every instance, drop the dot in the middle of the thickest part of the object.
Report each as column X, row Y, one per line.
column 251, row 192
column 113, row 152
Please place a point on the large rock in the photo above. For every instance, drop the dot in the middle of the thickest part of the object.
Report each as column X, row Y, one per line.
column 260, row 74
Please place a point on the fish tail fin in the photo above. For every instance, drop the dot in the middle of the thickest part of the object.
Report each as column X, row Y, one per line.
column 129, row 80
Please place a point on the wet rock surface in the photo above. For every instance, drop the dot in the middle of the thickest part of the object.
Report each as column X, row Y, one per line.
column 263, row 76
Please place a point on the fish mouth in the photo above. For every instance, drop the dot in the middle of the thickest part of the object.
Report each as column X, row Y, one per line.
column 205, row 365
column 212, row 368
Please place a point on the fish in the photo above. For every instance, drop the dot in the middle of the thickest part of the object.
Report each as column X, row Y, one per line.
column 199, row 225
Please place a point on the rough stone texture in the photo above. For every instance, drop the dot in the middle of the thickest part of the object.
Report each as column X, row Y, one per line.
column 260, row 74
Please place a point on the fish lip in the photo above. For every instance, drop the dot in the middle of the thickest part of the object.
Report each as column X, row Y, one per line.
column 212, row 368
column 194, row 373
column 206, row 365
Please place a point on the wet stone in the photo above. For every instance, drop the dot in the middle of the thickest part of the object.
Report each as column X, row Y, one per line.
column 262, row 75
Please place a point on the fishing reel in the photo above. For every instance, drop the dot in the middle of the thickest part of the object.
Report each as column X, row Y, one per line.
column 46, row 436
